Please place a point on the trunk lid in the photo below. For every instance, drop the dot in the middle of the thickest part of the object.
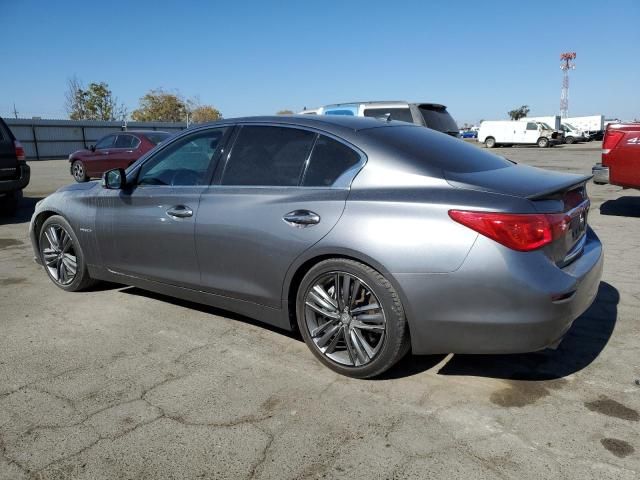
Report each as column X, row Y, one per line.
column 561, row 196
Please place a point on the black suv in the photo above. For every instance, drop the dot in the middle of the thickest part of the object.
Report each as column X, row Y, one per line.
column 14, row 171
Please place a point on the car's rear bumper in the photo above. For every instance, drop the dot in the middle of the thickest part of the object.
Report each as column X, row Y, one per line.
column 500, row 301
column 15, row 184
column 600, row 173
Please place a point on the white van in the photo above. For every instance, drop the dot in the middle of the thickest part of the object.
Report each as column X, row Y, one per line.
column 506, row 132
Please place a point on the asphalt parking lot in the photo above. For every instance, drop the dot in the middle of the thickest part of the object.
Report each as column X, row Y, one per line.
column 120, row 383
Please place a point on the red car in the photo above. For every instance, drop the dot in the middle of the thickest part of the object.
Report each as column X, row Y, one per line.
column 620, row 156
column 117, row 150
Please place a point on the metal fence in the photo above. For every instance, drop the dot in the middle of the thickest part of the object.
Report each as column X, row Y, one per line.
column 58, row 138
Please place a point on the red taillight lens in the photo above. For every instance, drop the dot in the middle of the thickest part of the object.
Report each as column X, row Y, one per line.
column 19, row 150
column 611, row 139
column 518, row 231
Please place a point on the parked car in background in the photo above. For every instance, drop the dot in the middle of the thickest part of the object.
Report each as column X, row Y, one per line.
column 468, row 133
column 620, row 156
column 507, row 132
column 592, row 125
column 572, row 134
column 368, row 237
column 14, row 171
column 116, row 150
column 431, row 115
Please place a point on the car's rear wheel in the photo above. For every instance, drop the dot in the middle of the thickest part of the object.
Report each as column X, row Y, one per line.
column 62, row 256
column 351, row 318
column 78, row 171
column 543, row 142
column 489, row 142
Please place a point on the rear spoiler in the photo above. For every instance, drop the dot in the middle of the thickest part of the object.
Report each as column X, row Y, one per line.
column 561, row 187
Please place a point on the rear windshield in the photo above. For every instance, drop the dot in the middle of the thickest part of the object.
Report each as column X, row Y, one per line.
column 401, row 114
column 157, row 137
column 423, row 150
column 437, row 118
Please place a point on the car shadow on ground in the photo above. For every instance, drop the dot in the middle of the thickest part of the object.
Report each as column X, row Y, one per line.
column 200, row 307
column 622, row 207
column 582, row 344
column 26, row 206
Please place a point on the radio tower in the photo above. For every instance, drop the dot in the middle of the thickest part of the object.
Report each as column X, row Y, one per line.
column 566, row 64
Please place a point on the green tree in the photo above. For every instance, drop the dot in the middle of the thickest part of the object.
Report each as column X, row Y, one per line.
column 159, row 105
column 285, row 112
column 519, row 113
column 96, row 102
column 205, row 113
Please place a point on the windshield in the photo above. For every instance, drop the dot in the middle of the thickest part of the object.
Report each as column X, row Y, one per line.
column 569, row 126
column 157, row 137
column 546, row 126
column 437, row 118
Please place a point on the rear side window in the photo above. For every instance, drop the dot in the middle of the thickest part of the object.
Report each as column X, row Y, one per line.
column 401, row 114
column 329, row 160
column 437, row 118
column 126, row 141
column 421, row 150
column 268, row 156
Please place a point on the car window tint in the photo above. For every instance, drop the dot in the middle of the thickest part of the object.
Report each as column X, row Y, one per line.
column 401, row 114
column 329, row 160
column 186, row 162
column 157, row 137
column 106, row 142
column 268, row 156
column 532, row 126
column 126, row 141
column 438, row 118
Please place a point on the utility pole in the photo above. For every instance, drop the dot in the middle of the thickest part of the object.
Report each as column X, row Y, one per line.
column 15, row 112
column 566, row 64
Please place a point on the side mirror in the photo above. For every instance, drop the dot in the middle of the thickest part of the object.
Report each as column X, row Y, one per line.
column 114, row 179
column 92, row 148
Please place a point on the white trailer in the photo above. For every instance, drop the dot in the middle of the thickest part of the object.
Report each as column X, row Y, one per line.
column 593, row 125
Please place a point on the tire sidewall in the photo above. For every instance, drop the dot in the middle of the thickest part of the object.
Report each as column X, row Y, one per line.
column 80, row 262
column 490, row 142
column 393, row 311
column 543, row 142
column 84, row 172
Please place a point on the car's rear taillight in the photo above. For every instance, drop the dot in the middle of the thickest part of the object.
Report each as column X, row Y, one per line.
column 19, row 150
column 611, row 139
column 519, row 231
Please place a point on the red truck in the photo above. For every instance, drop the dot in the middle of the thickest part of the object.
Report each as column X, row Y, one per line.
column 620, row 156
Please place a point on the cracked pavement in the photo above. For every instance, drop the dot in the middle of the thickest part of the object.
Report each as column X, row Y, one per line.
column 118, row 383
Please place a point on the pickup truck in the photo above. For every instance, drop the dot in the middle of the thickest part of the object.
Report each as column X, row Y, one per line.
column 14, row 171
column 620, row 156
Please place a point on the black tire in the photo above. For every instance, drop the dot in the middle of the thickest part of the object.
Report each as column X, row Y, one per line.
column 569, row 140
column 78, row 171
column 81, row 280
column 543, row 142
column 490, row 142
column 9, row 203
column 396, row 342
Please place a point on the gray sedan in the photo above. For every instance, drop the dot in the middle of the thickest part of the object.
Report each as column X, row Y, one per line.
column 370, row 237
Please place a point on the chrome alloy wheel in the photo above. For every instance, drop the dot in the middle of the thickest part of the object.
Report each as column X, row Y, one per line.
column 59, row 255
column 78, row 171
column 345, row 319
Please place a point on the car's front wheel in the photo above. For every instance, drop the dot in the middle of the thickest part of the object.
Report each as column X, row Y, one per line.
column 78, row 171
column 62, row 256
column 351, row 318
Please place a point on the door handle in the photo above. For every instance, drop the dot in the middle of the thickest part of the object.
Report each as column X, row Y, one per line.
column 301, row 218
column 180, row 211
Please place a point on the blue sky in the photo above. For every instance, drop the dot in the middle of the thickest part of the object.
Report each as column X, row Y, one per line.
column 248, row 57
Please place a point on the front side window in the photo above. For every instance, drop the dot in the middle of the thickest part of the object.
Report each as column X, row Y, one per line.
column 329, row 160
column 268, row 156
column 401, row 114
column 532, row 126
column 106, row 142
column 188, row 161
column 127, row 141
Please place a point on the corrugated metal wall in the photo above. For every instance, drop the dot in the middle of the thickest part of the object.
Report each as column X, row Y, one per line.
column 58, row 138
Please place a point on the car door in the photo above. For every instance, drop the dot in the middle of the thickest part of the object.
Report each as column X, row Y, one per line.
column 281, row 190
column 531, row 133
column 96, row 162
column 147, row 229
